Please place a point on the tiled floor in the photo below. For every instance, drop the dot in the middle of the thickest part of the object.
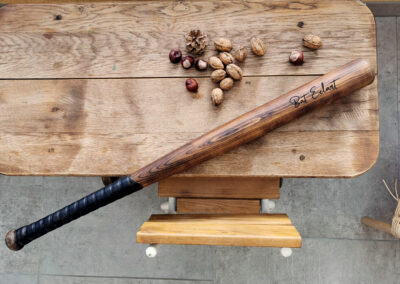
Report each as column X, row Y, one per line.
column 100, row 248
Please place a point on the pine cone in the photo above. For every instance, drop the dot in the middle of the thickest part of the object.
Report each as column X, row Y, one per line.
column 196, row 42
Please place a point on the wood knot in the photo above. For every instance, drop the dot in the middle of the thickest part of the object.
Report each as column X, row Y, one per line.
column 300, row 24
column 302, row 157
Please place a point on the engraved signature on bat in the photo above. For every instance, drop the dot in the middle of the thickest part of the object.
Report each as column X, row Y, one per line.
column 313, row 93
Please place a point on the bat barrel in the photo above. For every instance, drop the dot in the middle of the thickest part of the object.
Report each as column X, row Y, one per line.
column 256, row 123
column 17, row 239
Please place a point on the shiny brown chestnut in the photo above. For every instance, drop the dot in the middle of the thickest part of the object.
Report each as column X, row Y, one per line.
column 175, row 55
column 192, row 85
column 187, row 62
column 296, row 57
column 201, row 64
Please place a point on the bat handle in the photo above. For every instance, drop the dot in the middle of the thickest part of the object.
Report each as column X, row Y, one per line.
column 16, row 239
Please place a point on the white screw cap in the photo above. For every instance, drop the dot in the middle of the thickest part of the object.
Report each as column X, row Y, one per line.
column 267, row 205
column 164, row 206
column 286, row 252
column 271, row 205
column 151, row 251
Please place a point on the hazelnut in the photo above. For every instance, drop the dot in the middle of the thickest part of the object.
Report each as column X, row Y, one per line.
column 257, row 46
column 226, row 57
column 201, row 64
column 192, row 85
column 218, row 75
column 226, row 84
column 234, row 71
column 187, row 62
column 223, row 44
column 217, row 96
column 216, row 63
column 241, row 53
column 296, row 57
column 175, row 55
column 312, row 41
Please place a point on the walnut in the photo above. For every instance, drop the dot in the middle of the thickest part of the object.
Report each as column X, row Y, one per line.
column 226, row 84
column 241, row 53
column 223, row 44
column 215, row 62
column 312, row 41
column 218, row 75
column 234, row 71
column 257, row 46
column 226, row 57
column 217, row 96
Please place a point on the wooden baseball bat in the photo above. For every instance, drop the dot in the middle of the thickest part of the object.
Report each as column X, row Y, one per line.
column 321, row 91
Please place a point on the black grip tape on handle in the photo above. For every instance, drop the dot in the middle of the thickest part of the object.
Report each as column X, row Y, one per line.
column 16, row 239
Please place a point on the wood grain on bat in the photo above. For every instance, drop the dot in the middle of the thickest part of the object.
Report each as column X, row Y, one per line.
column 247, row 127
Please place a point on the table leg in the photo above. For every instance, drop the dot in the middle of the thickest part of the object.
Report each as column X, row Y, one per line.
column 107, row 180
column 376, row 224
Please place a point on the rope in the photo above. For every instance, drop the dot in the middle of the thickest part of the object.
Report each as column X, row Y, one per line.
column 396, row 217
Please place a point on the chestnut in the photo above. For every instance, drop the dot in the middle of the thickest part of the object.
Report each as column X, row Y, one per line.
column 201, row 64
column 187, row 62
column 192, row 85
column 175, row 55
column 296, row 57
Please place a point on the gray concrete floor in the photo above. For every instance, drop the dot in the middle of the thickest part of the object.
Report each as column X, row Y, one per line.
column 101, row 248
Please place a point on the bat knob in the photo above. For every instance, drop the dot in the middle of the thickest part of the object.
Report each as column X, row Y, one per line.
column 11, row 241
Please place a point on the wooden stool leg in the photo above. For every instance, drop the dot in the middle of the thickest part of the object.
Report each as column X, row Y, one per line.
column 378, row 225
column 107, row 180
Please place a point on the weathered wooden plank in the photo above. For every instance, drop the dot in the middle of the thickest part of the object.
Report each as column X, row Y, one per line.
column 213, row 205
column 280, row 154
column 220, row 187
column 206, row 232
column 133, row 39
column 115, row 126
column 163, row 106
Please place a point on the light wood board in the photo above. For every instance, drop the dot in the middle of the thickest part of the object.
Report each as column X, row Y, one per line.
column 255, row 219
column 218, row 206
column 125, row 105
column 220, row 187
column 252, row 230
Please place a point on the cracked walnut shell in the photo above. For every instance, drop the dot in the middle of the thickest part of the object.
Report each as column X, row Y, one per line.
column 223, row 44
column 226, row 84
column 218, row 75
column 217, row 96
column 241, row 53
column 234, row 71
column 215, row 63
column 312, row 41
column 257, row 46
column 226, row 57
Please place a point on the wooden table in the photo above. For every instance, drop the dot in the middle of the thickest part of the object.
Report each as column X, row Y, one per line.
column 88, row 89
